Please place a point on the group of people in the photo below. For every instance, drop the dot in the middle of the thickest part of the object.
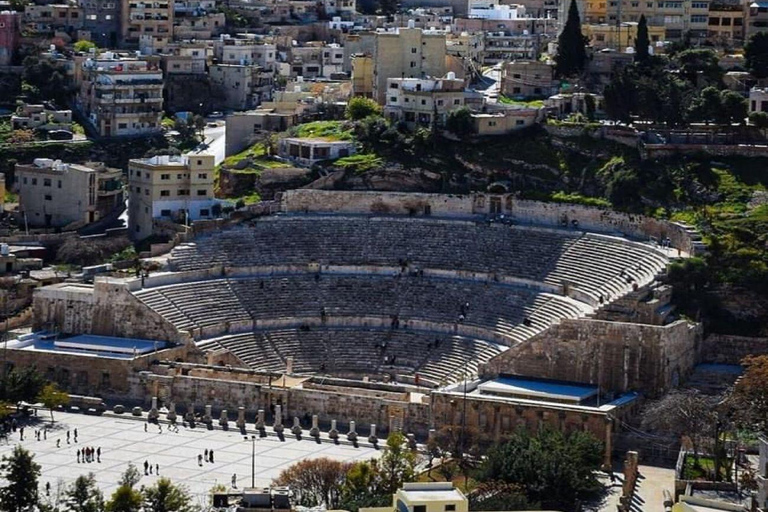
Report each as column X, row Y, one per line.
column 89, row 454
column 148, row 468
column 207, row 455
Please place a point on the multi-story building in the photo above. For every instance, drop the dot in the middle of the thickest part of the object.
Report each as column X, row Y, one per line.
column 758, row 100
column 9, row 36
column 178, row 188
column 619, row 37
column 756, row 18
column 121, row 96
column 406, row 53
column 343, row 8
column 506, row 46
column 243, row 87
column 528, row 79
column 676, row 16
column 726, row 24
column 102, row 19
column 245, row 52
column 51, row 17
column 154, row 17
column 56, row 194
column 423, row 101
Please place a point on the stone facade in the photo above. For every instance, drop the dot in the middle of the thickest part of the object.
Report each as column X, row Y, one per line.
column 725, row 349
column 615, row 356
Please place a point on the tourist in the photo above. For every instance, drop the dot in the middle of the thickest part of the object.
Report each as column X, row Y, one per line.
column 150, row 469
column 206, row 455
column 145, row 427
column 47, row 488
column 67, row 436
column 146, row 467
column 210, row 455
column 78, row 456
column 45, row 434
column 75, row 435
column 199, row 460
column 157, row 469
column 234, row 480
column 21, row 434
column 98, row 454
column 58, row 443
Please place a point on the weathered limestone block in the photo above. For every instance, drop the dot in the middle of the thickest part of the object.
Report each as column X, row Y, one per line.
column 333, row 433
column 315, row 430
column 352, row 435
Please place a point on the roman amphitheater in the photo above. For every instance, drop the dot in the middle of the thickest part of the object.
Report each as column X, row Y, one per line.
column 408, row 311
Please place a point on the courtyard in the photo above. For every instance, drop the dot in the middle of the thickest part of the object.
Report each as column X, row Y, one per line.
column 123, row 440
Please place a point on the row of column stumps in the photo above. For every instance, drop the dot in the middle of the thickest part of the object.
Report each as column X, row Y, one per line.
column 277, row 426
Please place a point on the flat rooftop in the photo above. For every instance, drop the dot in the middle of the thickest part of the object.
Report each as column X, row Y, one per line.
column 86, row 345
column 538, row 389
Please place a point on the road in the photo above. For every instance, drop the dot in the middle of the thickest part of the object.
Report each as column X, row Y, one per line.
column 490, row 83
column 214, row 142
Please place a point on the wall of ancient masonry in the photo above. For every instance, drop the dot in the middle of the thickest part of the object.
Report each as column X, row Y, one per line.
column 523, row 211
column 107, row 308
column 724, row 349
column 616, row 356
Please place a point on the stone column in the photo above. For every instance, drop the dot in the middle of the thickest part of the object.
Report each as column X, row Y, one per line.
column 153, row 412
column 208, row 418
column 223, row 419
column 352, row 435
column 333, row 433
column 607, row 462
column 372, row 438
column 240, row 417
column 315, row 430
column 260, row 419
column 278, row 426
column 171, row 416
column 296, row 426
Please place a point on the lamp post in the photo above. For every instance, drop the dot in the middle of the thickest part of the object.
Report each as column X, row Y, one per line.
column 253, row 459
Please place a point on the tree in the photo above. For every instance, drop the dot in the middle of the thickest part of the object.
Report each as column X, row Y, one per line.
column 359, row 108
column 707, row 106
column 164, row 496
column 21, row 384
column 51, row 396
column 124, row 499
column 459, row 122
column 397, row 464
column 571, row 56
column 734, row 107
column 642, row 42
column 499, row 496
column 363, row 487
column 316, row 481
column 84, row 46
column 46, row 80
column 83, row 495
column 552, row 467
column 21, row 473
column 590, row 105
column 756, row 55
column 130, row 476
column 700, row 67
column 750, row 395
column 760, row 120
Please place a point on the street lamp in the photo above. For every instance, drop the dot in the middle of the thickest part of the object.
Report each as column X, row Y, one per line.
column 253, row 459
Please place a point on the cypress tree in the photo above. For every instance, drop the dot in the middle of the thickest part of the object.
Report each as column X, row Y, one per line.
column 642, row 41
column 571, row 55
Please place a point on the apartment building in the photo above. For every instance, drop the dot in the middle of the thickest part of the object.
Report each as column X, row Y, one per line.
column 243, row 86
column 51, row 17
column 9, row 36
column 423, row 101
column 245, row 52
column 362, row 76
column 153, row 17
column 756, row 18
column 101, row 19
column 726, row 24
column 204, row 26
column 178, row 188
column 406, row 53
column 676, row 16
column 619, row 36
column 528, row 79
column 344, row 8
column 56, row 194
column 121, row 96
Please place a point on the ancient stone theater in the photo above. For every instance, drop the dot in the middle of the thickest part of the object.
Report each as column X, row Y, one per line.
column 408, row 311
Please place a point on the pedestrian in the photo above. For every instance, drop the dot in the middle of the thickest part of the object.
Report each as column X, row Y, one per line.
column 75, row 435
column 21, row 433
column 206, row 455
column 157, row 469
column 199, row 460
column 47, row 488
column 67, row 436
column 78, row 456
column 98, row 454
column 160, row 428
column 58, row 443
column 150, row 469
column 45, row 435
column 234, row 480
column 210, row 455
column 146, row 467
column 145, row 427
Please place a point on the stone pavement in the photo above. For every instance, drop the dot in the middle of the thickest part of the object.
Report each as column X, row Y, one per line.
column 123, row 440
column 649, row 495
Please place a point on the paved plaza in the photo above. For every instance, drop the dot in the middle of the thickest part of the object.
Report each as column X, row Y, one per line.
column 123, row 440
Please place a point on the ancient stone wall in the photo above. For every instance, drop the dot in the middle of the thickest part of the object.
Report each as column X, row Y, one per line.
column 725, row 349
column 615, row 356
column 522, row 211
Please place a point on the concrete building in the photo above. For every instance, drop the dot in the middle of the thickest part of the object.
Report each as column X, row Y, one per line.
column 758, row 100
column 676, row 16
column 756, row 19
column 121, row 96
column 502, row 121
column 35, row 116
column 416, row 101
column 406, row 53
column 9, row 36
column 176, row 188
column 425, row 497
column 139, row 17
column 245, row 52
column 620, row 38
column 503, row 46
column 56, row 194
column 243, row 127
column 362, row 76
column 101, row 18
column 244, row 86
column 726, row 24
column 309, row 151
column 528, row 79
column 571, row 103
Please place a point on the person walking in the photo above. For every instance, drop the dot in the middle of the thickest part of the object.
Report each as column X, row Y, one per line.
column 210, row 456
column 67, row 436
column 98, row 454
column 199, row 459
column 45, row 437
column 234, row 480
column 78, row 456
column 58, row 443
column 157, row 469
column 75, row 435
column 145, row 427
column 146, row 467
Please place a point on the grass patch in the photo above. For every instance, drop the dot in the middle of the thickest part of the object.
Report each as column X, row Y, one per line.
column 526, row 103
column 10, row 197
column 360, row 162
column 328, row 130
column 574, row 198
column 251, row 198
column 705, row 468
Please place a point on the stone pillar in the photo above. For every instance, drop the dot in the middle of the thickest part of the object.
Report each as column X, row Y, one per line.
column 411, row 441
column 315, row 430
column 223, row 419
column 260, row 419
column 352, row 435
column 296, row 426
column 333, row 433
column 153, row 412
column 171, row 416
column 607, row 462
column 240, row 417
column 278, row 426
column 208, row 419
column 372, row 438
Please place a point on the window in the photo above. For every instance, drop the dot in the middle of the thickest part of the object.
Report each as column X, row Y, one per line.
column 47, row 182
column 138, row 190
column 714, row 21
column 165, row 193
column 393, row 85
column 737, row 22
column 178, row 176
column 202, row 176
column 519, row 122
column 146, row 191
column 440, row 103
column 165, row 213
column 699, row 5
column 726, row 22
column 182, row 192
column 419, row 508
column 450, row 508
column 165, row 176
column 25, row 179
column 92, row 17
column 699, row 18
column 204, row 212
column 413, row 50
column 107, row 17
column 59, row 184
column 122, row 126
column 199, row 162
column 457, row 101
column 413, row 64
column 393, row 99
column 202, row 192
column 48, row 197
column 34, row 181
column 423, row 102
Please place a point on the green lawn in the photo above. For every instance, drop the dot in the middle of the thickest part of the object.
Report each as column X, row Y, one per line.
column 704, row 469
column 529, row 103
column 360, row 162
column 330, row 130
